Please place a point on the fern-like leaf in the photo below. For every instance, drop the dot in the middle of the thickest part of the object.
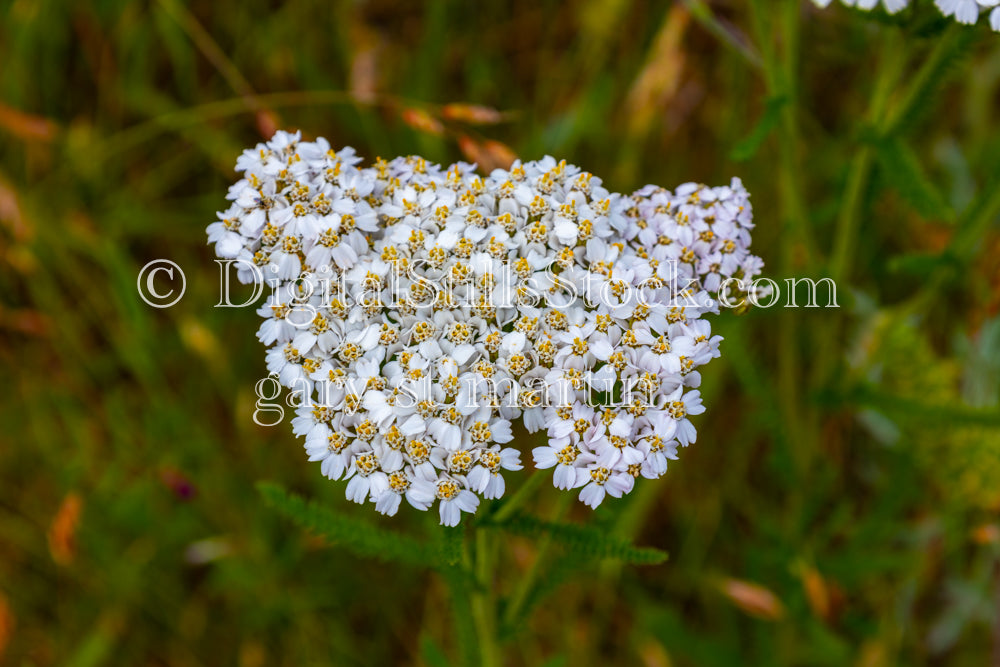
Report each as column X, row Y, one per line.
column 948, row 52
column 901, row 169
column 946, row 416
column 582, row 540
column 355, row 535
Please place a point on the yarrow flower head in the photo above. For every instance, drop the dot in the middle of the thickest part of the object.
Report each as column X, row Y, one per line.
column 421, row 311
column 964, row 11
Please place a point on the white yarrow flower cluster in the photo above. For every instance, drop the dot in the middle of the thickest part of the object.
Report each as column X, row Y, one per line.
column 422, row 310
column 964, row 11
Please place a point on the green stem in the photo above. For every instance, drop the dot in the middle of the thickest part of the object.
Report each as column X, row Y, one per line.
column 461, row 604
column 781, row 77
column 796, row 232
column 484, row 600
column 890, row 67
column 798, row 240
column 850, row 214
column 525, row 586
column 702, row 13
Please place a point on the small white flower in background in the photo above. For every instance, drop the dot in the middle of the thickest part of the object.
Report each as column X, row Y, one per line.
column 963, row 11
column 891, row 6
column 425, row 310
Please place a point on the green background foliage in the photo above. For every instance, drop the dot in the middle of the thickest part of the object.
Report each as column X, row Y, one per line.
column 840, row 505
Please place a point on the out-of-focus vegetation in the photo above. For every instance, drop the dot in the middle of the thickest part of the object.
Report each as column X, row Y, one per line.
column 840, row 505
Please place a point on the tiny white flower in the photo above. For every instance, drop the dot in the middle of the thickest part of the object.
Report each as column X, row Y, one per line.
column 601, row 480
column 453, row 500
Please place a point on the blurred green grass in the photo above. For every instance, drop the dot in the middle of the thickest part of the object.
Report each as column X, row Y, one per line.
column 863, row 499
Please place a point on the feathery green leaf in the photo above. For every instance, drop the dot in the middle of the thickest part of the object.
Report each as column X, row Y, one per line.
column 948, row 52
column 461, row 604
column 926, row 413
column 356, row 535
column 582, row 540
column 902, row 170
